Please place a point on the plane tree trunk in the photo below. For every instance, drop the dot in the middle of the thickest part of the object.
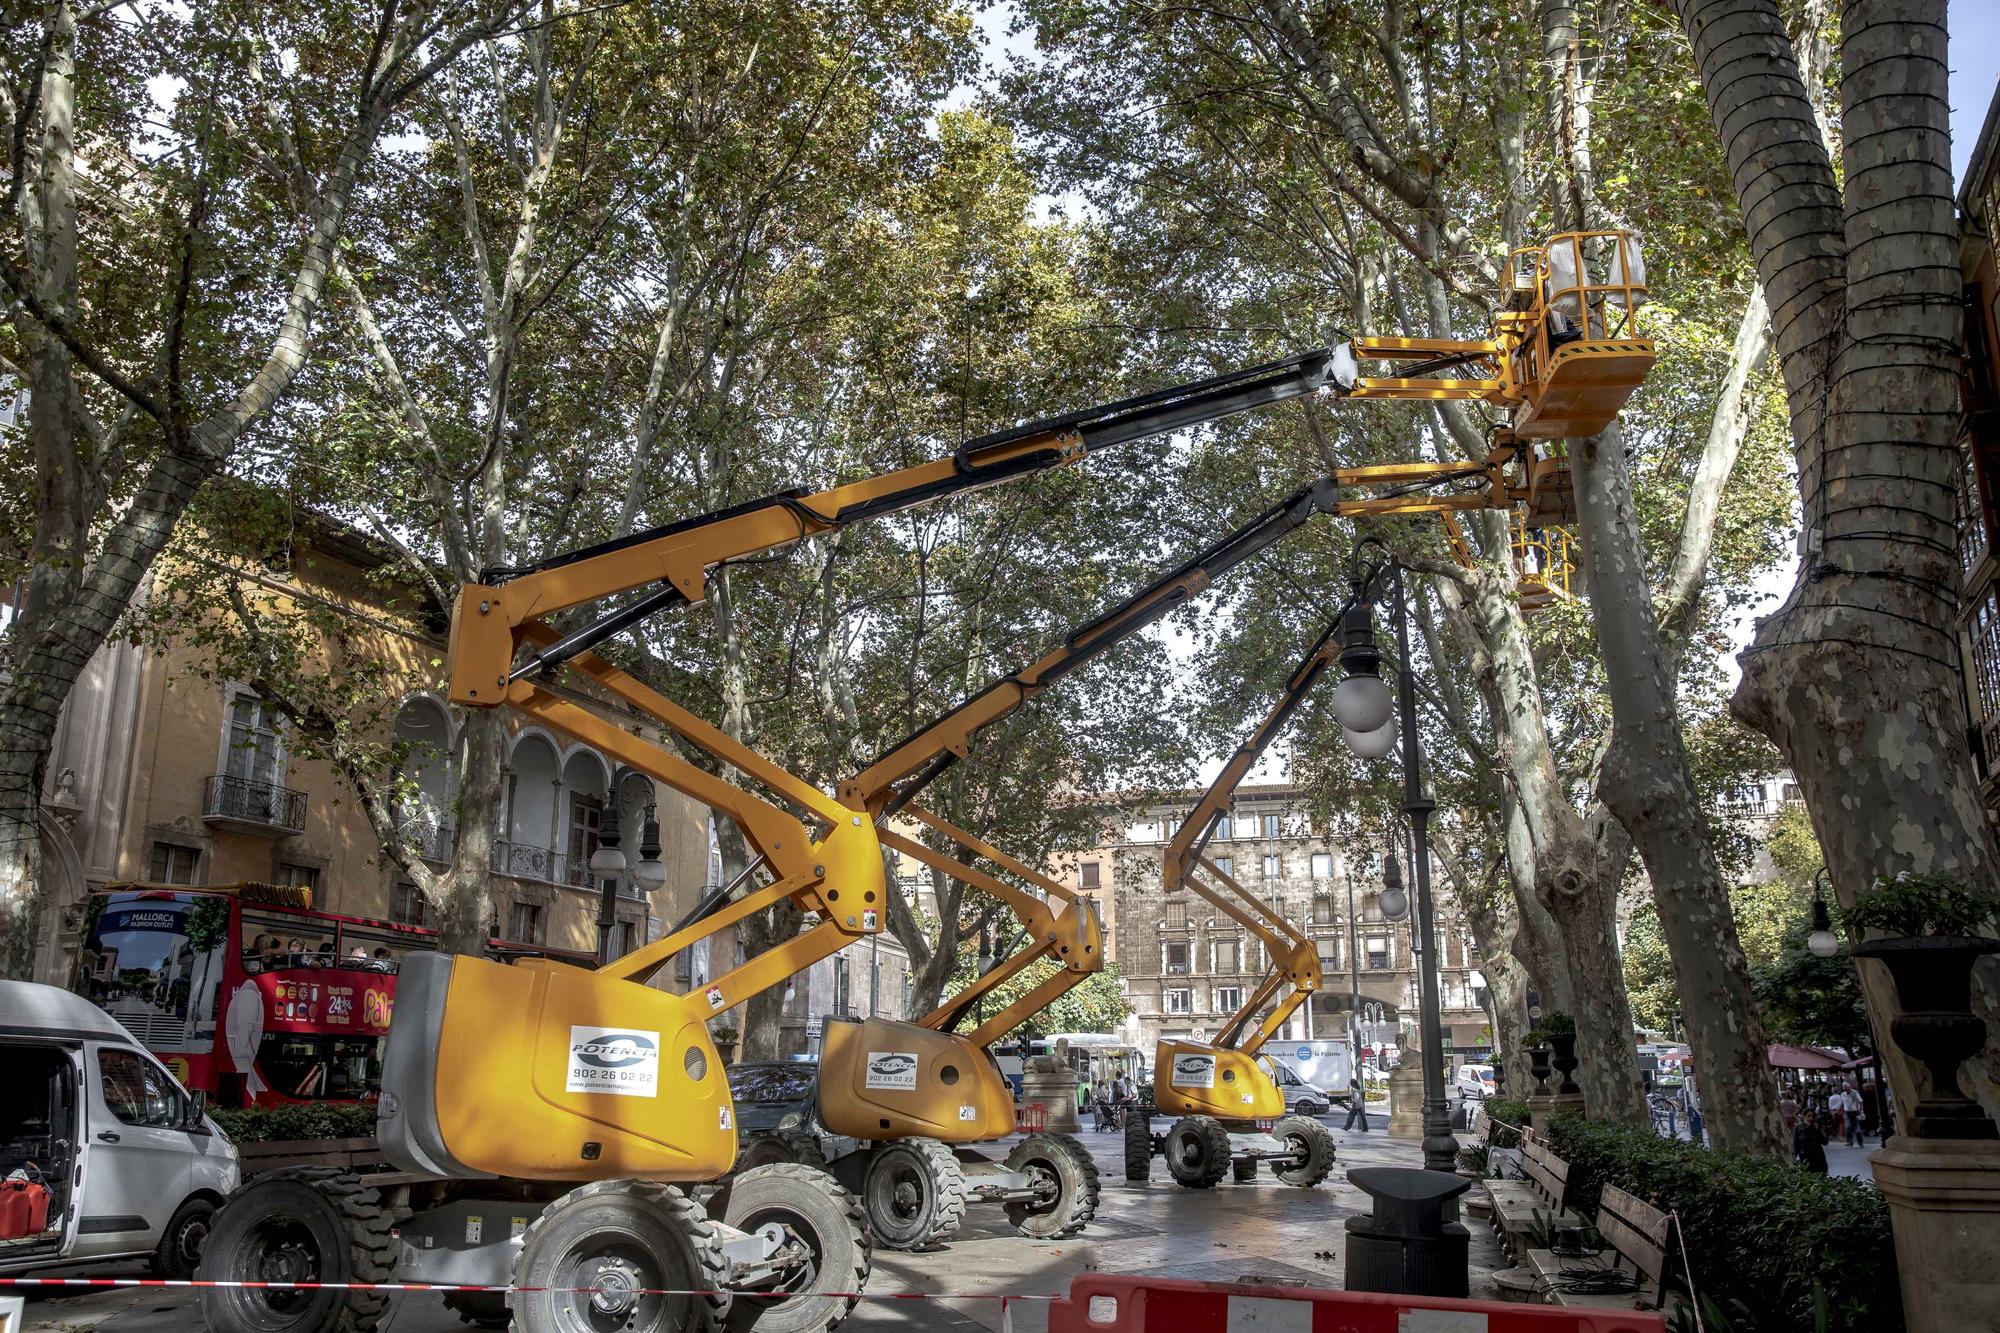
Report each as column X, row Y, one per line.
column 1856, row 677
column 1647, row 783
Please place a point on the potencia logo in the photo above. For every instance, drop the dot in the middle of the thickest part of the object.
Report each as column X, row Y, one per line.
column 892, row 1064
column 1193, row 1064
column 615, row 1050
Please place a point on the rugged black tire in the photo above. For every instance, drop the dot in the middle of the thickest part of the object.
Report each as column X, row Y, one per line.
column 1243, row 1171
column 684, row 1253
column 829, row 1219
column 1197, row 1151
column 481, row 1309
column 299, row 1224
column 913, row 1194
column 1138, row 1148
column 1075, row 1204
column 179, row 1252
column 798, row 1146
column 1309, row 1136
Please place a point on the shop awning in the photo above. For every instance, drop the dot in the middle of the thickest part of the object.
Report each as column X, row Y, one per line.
column 1803, row 1057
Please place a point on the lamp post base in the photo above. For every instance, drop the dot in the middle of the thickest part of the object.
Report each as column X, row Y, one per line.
column 1440, row 1144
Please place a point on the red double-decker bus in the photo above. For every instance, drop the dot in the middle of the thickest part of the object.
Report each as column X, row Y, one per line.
column 247, row 991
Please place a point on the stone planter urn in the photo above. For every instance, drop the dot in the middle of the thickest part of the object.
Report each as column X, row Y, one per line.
column 1538, row 1065
column 1933, row 978
column 1564, row 1060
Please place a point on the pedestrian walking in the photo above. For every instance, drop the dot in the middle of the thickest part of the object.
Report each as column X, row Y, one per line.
column 1357, row 1104
column 1850, row 1100
column 1788, row 1108
column 1809, row 1144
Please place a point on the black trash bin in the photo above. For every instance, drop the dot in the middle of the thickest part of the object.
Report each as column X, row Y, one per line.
column 1406, row 1245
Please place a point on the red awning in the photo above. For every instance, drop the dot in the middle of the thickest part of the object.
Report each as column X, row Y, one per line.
column 1803, row 1057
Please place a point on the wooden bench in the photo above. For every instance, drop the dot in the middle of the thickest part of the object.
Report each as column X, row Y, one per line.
column 1520, row 1206
column 1637, row 1237
column 1544, row 1194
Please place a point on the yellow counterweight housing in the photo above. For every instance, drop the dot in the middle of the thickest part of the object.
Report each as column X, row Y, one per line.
column 882, row 1080
column 548, row 1072
column 1195, row 1078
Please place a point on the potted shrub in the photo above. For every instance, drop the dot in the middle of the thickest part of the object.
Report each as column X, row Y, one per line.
column 725, row 1042
column 1929, row 930
column 1559, row 1031
column 1538, row 1062
column 1473, row 1161
column 1504, row 1121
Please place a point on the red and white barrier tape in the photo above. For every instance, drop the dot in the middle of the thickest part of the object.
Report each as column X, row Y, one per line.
column 451, row 1286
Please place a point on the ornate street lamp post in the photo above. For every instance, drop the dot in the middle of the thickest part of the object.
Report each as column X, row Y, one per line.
column 609, row 864
column 1362, row 703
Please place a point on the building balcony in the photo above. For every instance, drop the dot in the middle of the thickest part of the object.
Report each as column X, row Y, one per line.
column 436, row 843
column 519, row 860
column 262, row 808
column 1758, row 808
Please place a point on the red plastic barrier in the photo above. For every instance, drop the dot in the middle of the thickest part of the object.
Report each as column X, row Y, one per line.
column 1034, row 1117
column 1101, row 1303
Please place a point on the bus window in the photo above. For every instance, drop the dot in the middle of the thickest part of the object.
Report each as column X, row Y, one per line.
column 275, row 940
column 374, row 949
column 154, row 962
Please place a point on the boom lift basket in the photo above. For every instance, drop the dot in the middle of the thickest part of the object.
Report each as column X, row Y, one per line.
column 1586, row 354
column 1567, row 348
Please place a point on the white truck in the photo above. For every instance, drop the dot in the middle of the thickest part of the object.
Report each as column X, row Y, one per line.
column 132, row 1165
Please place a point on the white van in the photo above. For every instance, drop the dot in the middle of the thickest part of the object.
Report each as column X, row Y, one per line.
column 134, row 1167
column 1301, row 1097
column 1474, row 1082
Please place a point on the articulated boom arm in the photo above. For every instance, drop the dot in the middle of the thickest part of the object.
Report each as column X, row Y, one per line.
column 487, row 621
column 893, row 780
column 835, row 874
column 1294, row 960
column 502, row 644
column 1073, row 935
column 1559, row 372
column 890, row 785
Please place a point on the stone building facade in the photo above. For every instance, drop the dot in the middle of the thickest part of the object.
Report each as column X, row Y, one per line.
column 161, row 774
column 1185, row 967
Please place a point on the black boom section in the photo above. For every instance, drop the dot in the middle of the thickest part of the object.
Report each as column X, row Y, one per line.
column 1132, row 614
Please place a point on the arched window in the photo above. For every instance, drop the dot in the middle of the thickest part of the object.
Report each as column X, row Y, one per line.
column 583, row 814
column 531, row 808
column 424, row 727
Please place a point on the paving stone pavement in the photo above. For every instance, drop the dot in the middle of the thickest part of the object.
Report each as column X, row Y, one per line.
column 1266, row 1232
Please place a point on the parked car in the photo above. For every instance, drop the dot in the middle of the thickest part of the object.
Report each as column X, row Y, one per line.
column 1300, row 1096
column 103, row 1154
column 1474, row 1082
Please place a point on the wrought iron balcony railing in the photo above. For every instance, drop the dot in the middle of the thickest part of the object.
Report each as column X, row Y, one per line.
column 262, row 807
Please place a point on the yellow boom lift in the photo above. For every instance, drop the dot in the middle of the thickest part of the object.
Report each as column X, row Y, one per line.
column 542, row 1116
column 902, row 1103
column 1231, row 1115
